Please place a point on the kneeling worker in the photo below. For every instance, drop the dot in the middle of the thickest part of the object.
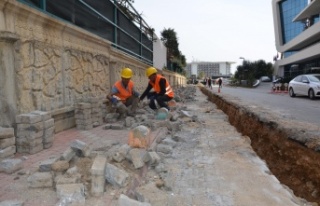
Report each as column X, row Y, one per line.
column 123, row 94
column 162, row 90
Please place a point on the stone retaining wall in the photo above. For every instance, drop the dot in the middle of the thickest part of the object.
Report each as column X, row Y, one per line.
column 46, row 64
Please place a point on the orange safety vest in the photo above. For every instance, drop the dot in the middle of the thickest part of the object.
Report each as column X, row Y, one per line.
column 156, row 86
column 124, row 93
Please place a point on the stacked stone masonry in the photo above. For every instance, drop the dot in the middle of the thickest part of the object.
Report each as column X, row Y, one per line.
column 34, row 132
column 88, row 113
column 7, row 143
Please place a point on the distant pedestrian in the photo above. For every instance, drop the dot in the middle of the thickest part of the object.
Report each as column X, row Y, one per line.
column 209, row 83
column 205, row 81
column 220, row 82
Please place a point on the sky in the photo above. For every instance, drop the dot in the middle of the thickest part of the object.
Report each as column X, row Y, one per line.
column 215, row 30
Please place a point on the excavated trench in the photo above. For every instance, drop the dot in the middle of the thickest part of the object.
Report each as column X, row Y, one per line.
column 295, row 165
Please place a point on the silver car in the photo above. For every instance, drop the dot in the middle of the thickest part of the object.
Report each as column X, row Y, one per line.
column 306, row 85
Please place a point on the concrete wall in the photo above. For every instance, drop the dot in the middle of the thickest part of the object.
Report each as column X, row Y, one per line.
column 47, row 64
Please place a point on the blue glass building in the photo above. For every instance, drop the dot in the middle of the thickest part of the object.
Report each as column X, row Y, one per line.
column 297, row 35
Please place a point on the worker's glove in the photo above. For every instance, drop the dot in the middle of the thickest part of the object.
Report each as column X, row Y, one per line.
column 136, row 94
column 114, row 100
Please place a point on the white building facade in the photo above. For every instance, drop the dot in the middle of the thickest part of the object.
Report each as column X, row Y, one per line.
column 209, row 69
column 159, row 53
column 297, row 36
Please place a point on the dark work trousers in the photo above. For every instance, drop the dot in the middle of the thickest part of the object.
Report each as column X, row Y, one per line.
column 161, row 99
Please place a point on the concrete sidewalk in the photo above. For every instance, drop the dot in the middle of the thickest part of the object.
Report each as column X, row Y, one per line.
column 211, row 164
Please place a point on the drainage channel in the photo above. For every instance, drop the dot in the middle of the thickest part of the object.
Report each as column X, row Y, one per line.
column 294, row 164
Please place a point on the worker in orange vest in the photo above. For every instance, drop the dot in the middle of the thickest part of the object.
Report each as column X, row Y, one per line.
column 123, row 94
column 162, row 90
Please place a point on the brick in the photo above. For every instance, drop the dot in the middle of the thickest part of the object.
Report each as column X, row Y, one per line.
column 115, row 176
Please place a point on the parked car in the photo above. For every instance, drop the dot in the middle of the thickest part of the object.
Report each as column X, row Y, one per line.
column 265, row 79
column 306, row 85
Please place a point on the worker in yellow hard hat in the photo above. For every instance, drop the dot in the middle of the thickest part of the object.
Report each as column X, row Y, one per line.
column 162, row 90
column 123, row 94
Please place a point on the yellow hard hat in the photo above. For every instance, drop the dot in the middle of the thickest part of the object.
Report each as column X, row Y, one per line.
column 150, row 71
column 126, row 73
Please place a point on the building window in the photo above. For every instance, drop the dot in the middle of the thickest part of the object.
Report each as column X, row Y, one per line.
column 288, row 10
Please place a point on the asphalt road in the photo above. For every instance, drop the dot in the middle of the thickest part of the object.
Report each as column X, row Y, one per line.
column 298, row 108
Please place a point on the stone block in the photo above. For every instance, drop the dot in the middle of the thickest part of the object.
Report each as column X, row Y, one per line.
column 82, row 106
column 63, row 180
column 10, row 165
column 137, row 157
column 48, row 123
column 165, row 149
column 44, row 115
column 7, row 142
column 84, row 127
column 81, row 148
column 40, row 180
column 86, row 112
column 152, row 158
column 48, row 139
column 126, row 201
column 29, row 149
column 83, row 121
column 11, row 203
column 71, row 193
column 47, row 145
column 99, row 165
column 45, row 166
column 6, row 133
column 30, row 130
column 68, row 154
column 25, row 142
column 48, row 133
column 79, row 116
column 7, row 152
column 60, row 166
column 28, row 118
column 97, row 175
column 115, row 176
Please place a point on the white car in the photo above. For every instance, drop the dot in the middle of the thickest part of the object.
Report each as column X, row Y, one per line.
column 306, row 85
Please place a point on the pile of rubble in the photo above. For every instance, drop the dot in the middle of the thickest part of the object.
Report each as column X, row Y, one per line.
column 82, row 172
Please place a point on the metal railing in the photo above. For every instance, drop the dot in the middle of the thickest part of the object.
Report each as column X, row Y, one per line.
column 120, row 25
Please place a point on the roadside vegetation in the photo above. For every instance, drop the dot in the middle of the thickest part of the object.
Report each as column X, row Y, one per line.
column 247, row 73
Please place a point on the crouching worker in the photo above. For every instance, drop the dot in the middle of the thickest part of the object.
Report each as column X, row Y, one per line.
column 123, row 94
column 162, row 90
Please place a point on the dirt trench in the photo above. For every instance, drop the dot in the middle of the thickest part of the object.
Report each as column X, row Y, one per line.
column 295, row 165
